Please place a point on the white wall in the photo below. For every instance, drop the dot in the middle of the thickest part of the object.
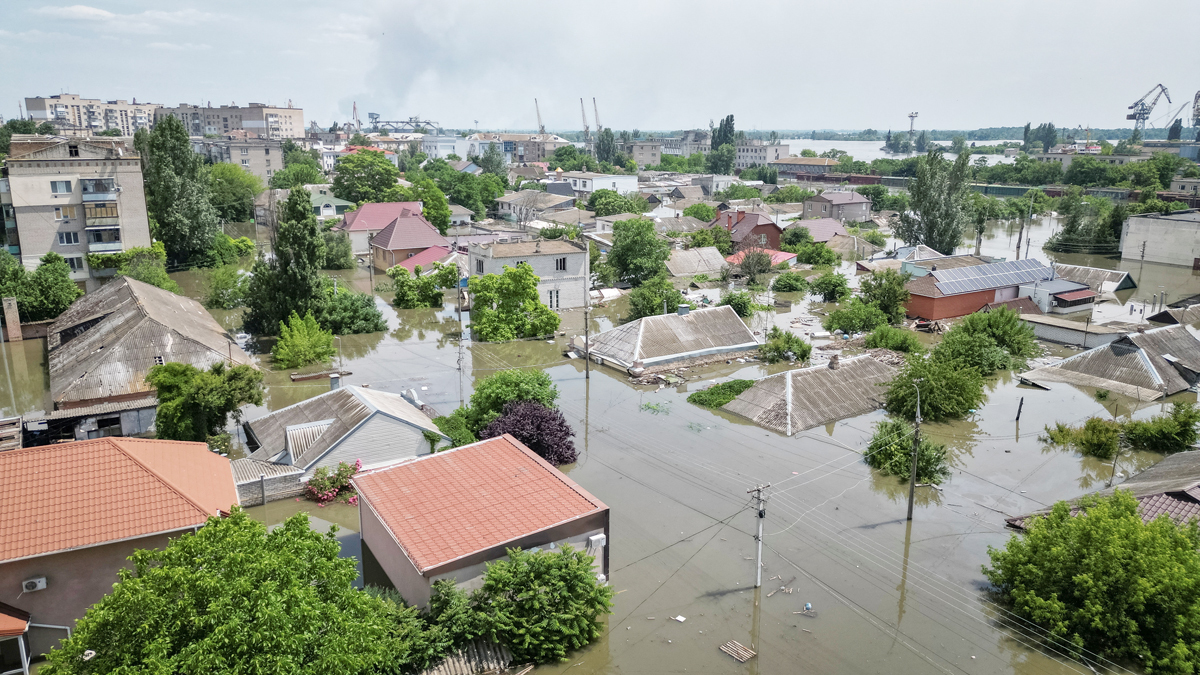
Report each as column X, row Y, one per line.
column 572, row 285
column 1173, row 240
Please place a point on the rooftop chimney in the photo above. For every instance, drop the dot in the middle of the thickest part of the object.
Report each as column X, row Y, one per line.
column 335, row 381
column 833, row 362
column 683, row 310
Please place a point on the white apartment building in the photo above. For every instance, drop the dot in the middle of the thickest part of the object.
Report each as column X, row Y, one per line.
column 73, row 196
column 259, row 119
column 260, row 156
column 755, row 152
column 438, row 146
column 562, row 267
column 585, row 183
column 75, row 116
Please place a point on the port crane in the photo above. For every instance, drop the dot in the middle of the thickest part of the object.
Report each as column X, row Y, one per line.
column 1142, row 109
column 599, row 127
column 587, row 134
column 541, row 127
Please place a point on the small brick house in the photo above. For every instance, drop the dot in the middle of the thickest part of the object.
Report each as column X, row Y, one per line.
column 748, row 227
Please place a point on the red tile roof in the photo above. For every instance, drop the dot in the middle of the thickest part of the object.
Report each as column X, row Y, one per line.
column 1076, row 295
column 425, row 258
column 448, row 505
column 74, row 495
column 376, row 215
column 13, row 621
column 821, row 229
column 409, row 230
column 352, row 149
column 776, row 256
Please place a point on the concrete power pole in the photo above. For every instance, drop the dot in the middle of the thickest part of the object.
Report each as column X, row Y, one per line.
column 762, row 514
column 912, row 480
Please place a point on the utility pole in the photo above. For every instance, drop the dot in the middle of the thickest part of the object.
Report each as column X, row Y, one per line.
column 912, row 480
column 587, row 342
column 371, row 259
column 762, row 514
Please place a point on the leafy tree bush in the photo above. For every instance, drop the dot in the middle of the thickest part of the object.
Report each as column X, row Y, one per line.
column 543, row 430
column 890, row 451
column 233, row 189
column 301, row 342
column 1006, row 329
column 948, row 391
column 344, row 312
column 194, row 404
column 178, row 197
column 718, row 395
column 457, row 427
column 226, row 287
column 330, row 485
column 297, row 175
column 741, row 302
column 290, row 281
column 1097, row 437
column 939, row 203
column 365, row 176
column 856, row 317
column 20, row 126
column 339, row 254
column 790, row 282
column 716, row 236
column 790, row 194
column 874, row 237
column 422, row 290
column 815, row 253
column 873, row 192
column 895, row 339
column 831, row 286
column 782, row 345
column 42, row 294
column 795, row 236
column 1107, row 582
column 519, row 594
column 701, row 212
column 508, row 386
column 610, row 203
column 507, row 306
column 637, row 253
column 188, row 606
column 885, row 289
column 1173, row 432
column 649, row 298
column 972, row 350
column 755, row 261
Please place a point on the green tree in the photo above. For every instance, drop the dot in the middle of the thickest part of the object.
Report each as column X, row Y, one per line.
column 795, row 236
column 890, row 451
column 815, row 253
column 1004, row 327
column 725, row 133
column 226, row 287
column 652, row 296
column 44, row 293
column 782, row 345
column 344, row 312
column 520, row 592
column 1107, row 581
column 790, row 282
column 149, row 265
column 301, row 342
column 434, row 207
column 831, row 286
column 855, row 317
column 895, row 339
column 358, row 140
column 365, row 176
column 790, row 194
column 939, row 203
column 19, row 126
column 187, row 607
column 637, row 253
column 606, row 146
column 177, row 192
column 948, row 390
column 507, row 306
column 721, row 159
column 422, row 290
column 492, row 161
column 886, row 290
column 876, row 193
column 701, row 212
column 922, row 142
column 233, row 190
column 296, row 175
column 339, row 254
column 194, row 404
column 813, row 153
column 741, row 302
column 755, row 262
column 507, row 386
column 290, row 281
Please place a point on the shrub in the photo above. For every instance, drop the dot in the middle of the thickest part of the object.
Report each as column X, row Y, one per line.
column 339, row 254
column 226, row 287
column 703, row 212
column 973, row 350
column 886, row 290
column 874, row 237
column 856, row 317
column 508, row 386
column 795, row 236
column 301, row 342
column 740, row 301
column 782, row 345
column 327, row 486
column 790, row 282
column 815, row 253
column 457, row 427
column 416, row 290
column 345, row 312
column 543, row 430
column 1005, row 327
column 653, row 296
column 831, row 286
column 890, row 451
column 718, row 395
column 948, row 391
column 783, row 266
column 755, row 261
column 700, row 278
column 895, row 339
column 1173, row 432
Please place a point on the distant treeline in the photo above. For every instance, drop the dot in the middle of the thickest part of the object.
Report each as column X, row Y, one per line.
column 989, row 134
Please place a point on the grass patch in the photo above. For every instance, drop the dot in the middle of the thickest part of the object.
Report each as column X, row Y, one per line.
column 718, row 395
column 656, row 408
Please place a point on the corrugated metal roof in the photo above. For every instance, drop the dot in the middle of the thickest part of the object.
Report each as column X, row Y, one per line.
column 299, row 437
column 801, row 399
column 477, row 656
column 98, row 409
column 248, row 470
column 1059, row 322
column 135, row 327
column 1022, row 305
column 1187, row 315
column 667, row 336
column 1099, row 280
column 1076, row 295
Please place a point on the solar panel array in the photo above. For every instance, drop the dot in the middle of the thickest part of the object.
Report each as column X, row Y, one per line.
column 986, row 277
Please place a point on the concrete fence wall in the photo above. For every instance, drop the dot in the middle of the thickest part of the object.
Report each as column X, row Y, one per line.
column 278, row 487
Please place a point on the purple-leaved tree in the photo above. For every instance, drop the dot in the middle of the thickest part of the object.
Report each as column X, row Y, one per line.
column 543, row 430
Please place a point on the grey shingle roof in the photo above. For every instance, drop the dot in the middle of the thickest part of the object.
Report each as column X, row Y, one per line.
column 706, row 260
column 668, row 337
column 1099, row 280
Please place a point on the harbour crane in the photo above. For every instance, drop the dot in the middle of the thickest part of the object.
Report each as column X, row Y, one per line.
column 597, row 109
column 1141, row 109
column 357, row 123
column 1196, row 110
column 541, row 127
column 587, row 135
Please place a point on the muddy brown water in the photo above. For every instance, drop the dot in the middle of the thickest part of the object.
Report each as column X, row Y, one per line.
column 889, row 596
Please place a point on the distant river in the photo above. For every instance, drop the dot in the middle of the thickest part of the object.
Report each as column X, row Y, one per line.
column 868, row 150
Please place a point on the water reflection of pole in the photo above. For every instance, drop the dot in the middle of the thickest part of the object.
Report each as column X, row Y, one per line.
column 12, row 395
column 754, row 628
column 903, row 588
column 912, row 482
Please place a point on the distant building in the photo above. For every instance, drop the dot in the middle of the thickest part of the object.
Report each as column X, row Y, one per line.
column 690, row 143
column 460, row 215
column 264, row 120
column 690, row 262
column 750, row 228
column 753, row 152
column 1060, row 296
column 73, row 196
column 325, row 205
column 562, row 265
column 517, row 148
column 75, row 116
column 407, row 235
column 369, row 220
column 260, row 156
column 525, row 173
column 585, row 183
column 713, row 183
column 1188, row 185
column 1166, row 239
column 644, row 153
column 329, row 158
column 821, row 230
column 842, row 206
column 796, row 167
column 529, row 205
column 439, row 145
column 1065, row 158
column 666, row 338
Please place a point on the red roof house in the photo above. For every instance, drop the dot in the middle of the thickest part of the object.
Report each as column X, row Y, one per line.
column 445, row 515
column 758, row 228
column 776, row 257
column 408, row 235
column 425, row 259
column 370, row 219
column 74, row 512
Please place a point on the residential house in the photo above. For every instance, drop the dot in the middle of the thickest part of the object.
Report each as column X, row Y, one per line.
column 821, row 230
column 667, row 338
column 325, row 205
column 369, row 220
column 777, row 257
column 72, row 196
column 841, row 206
column 406, row 236
column 1097, row 279
column 755, row 152
column 72, row 115
column 346, row 424
column 957, row 291
column 1144, row 366
column 1060, row 296
column 802, row 167
column 711, row 183
column 517, row 148
column 1188, row 185
column 529, row 205
column 259, row 156
column 426, row 258
column 690, row 262
column 261, row 119
column 687, row 192
column 644, row 153
column 1173, row 315
column 562, row 267
column 466, row 166
column 75, row 512
column 585, row 183
column 674, row 226
column 578, row 217
column 447, row 515
column 1172, row 239
column 924, row 266
column 795, row 400
column 461, row 215
column 102, row 347
column 748, row 228
column 851, row 247
column 1066, row 331
column 1065, row 158
column 524, row 173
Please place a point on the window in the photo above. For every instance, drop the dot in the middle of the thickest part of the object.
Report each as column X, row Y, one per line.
column 64, row 212
column 552, row 298
column 560, row 265
column 73, row 150
column 823, row 207
column 268, row 162
column 68, row 238
column 762, row 239
column 158, row 361
column 245, row 151
column 60, row 187
column 100, row 210
column 478, row 267
column 75, row 263
column 245, row 162
column 266, row 151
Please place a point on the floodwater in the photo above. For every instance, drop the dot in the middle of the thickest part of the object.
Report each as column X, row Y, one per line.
column 887, row 594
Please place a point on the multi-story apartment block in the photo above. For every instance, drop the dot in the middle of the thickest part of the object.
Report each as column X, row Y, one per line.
column 644, row 153
column 73, row 196
column 687, row 145
column 259, row 119
column 260, row 156
column 562, row 267
column 584, row 183
column 75, row 116
column 517, row 147
column 751, row 152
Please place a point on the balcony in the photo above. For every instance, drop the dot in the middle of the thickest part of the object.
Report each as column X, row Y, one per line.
column 104, row 247
column 98, row 221
column 100, row 196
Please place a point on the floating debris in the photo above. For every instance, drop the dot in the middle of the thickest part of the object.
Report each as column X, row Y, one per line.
column 738, row 651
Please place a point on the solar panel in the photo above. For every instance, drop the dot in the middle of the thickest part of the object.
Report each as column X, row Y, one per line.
column 994, row 275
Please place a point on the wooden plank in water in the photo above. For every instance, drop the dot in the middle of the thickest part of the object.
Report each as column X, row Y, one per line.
column 738, row 651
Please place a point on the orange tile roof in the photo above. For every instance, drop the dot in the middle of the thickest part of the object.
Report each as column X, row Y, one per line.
column 13, row 621
column 451, row 504
column 74, row 495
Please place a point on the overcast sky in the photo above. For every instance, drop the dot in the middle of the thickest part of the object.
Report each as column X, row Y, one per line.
column 654, row 64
